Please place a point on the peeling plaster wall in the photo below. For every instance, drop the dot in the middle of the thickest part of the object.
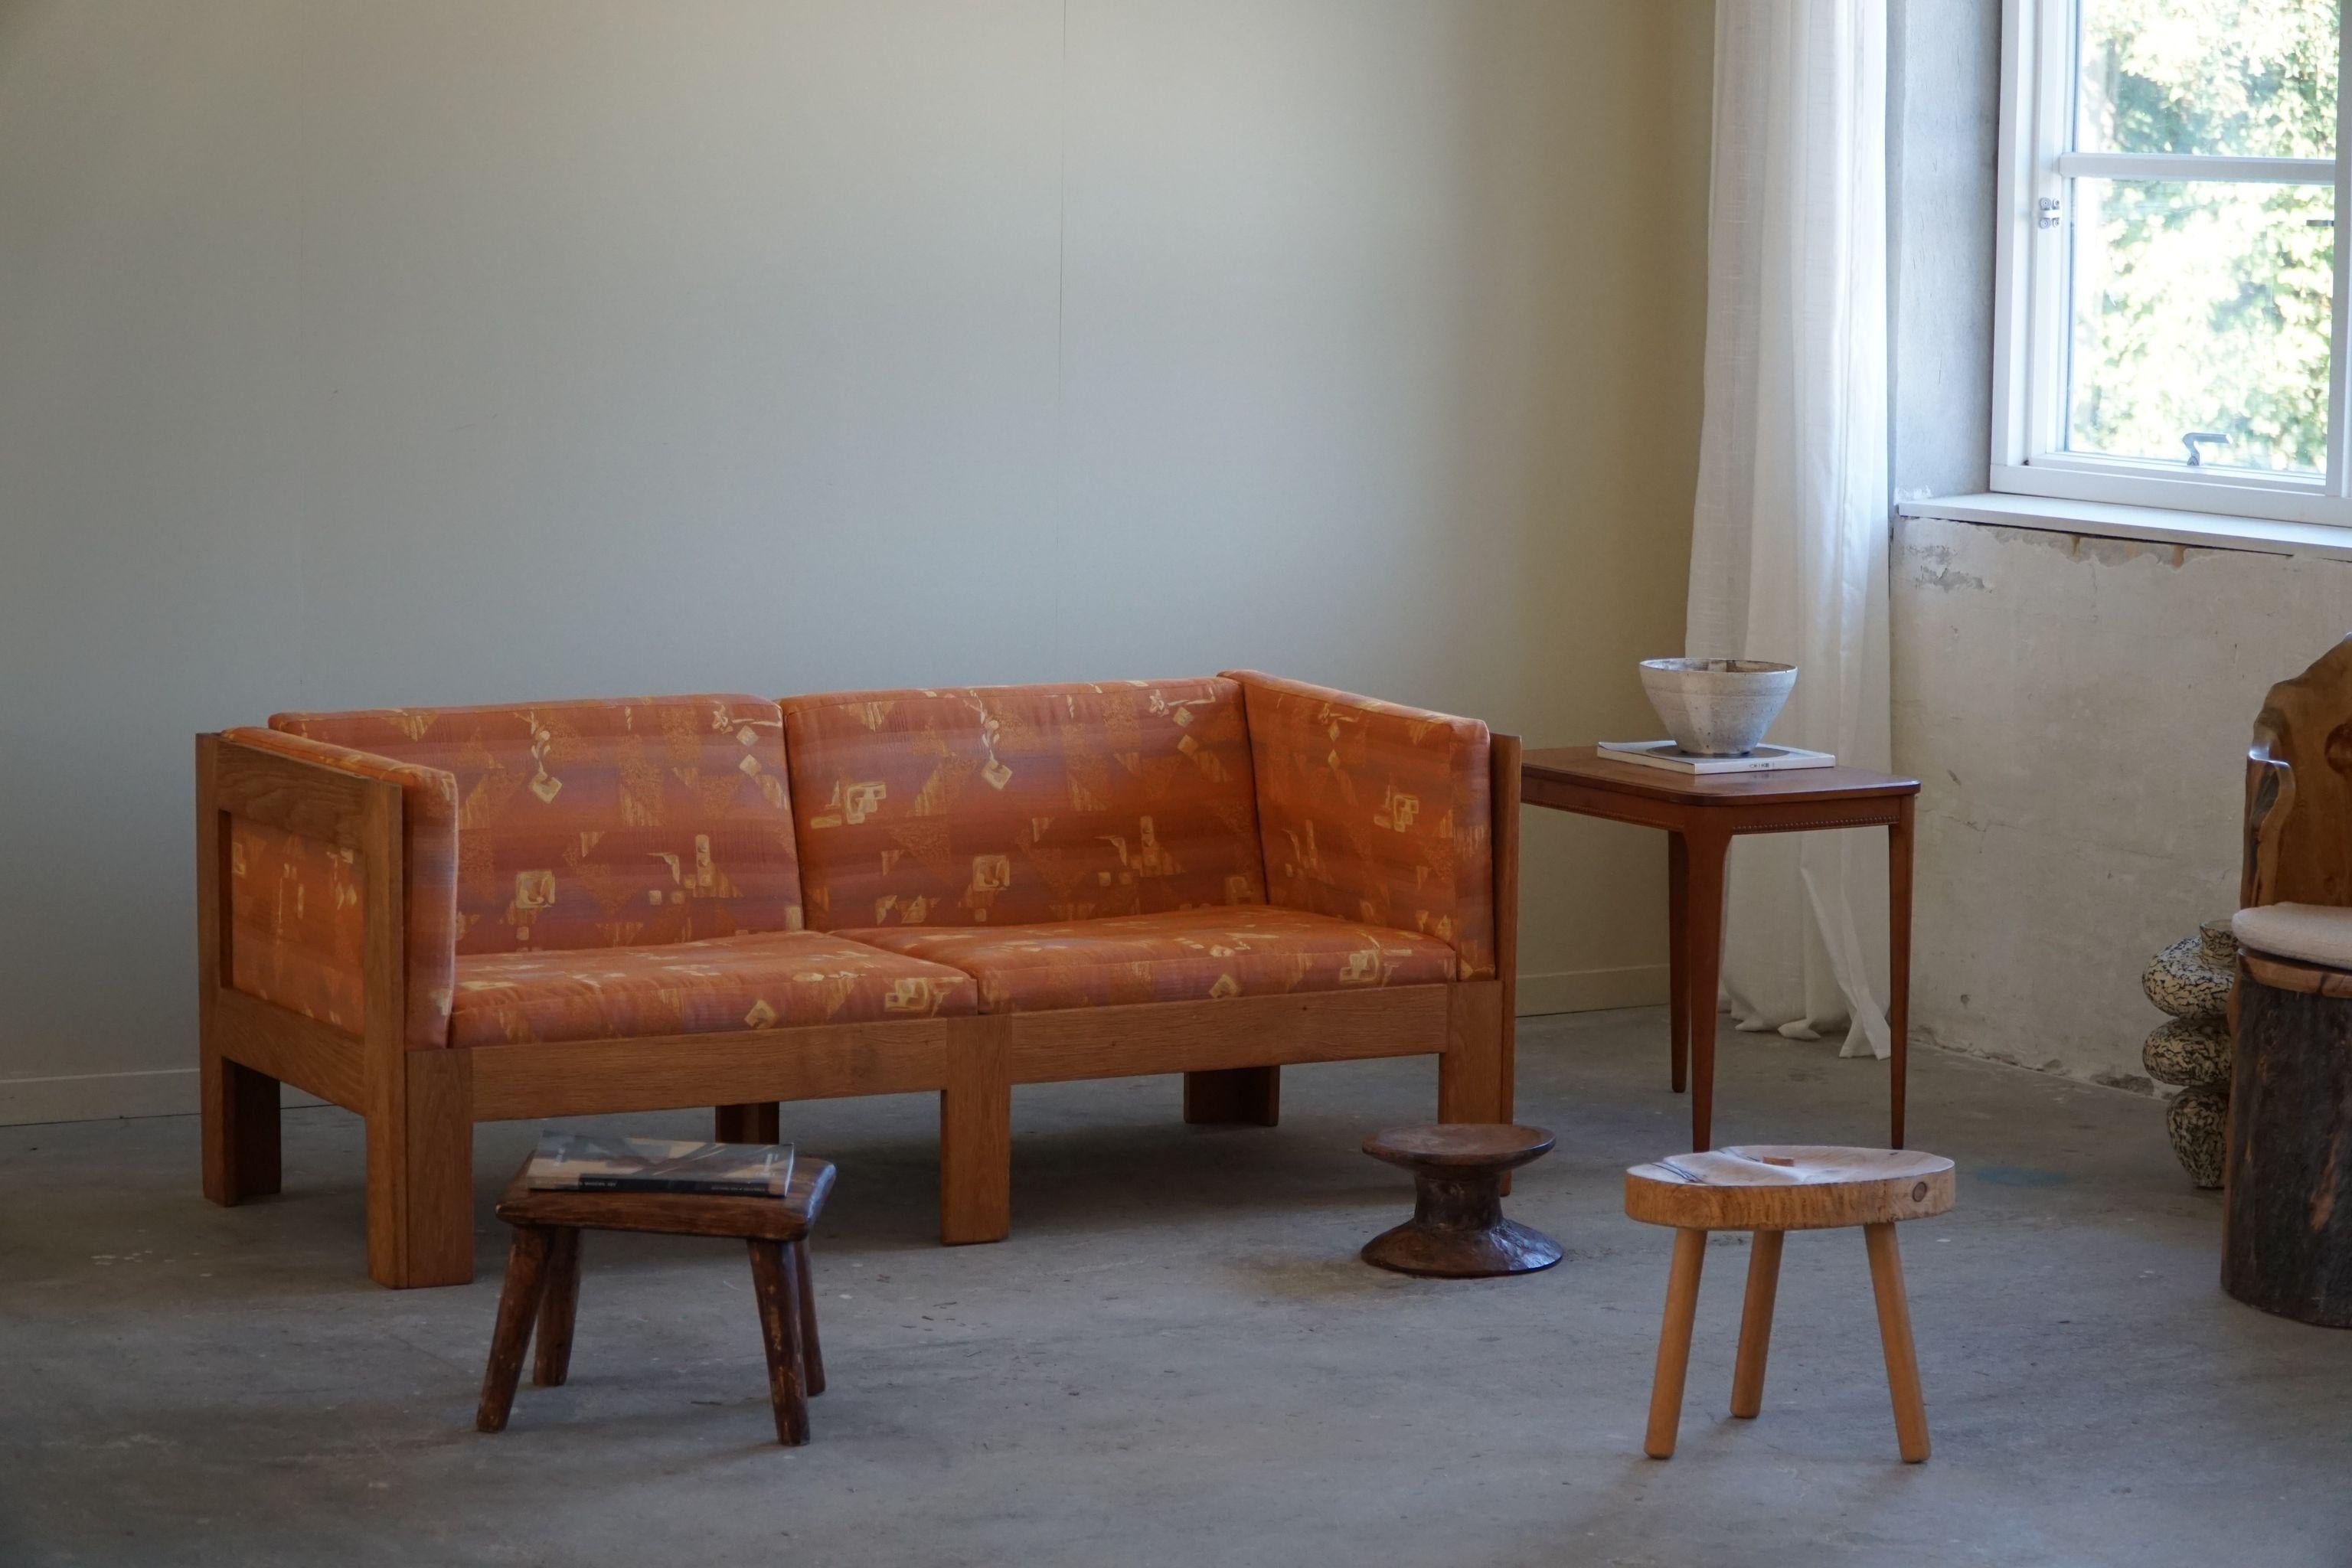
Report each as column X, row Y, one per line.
column 2077, row 710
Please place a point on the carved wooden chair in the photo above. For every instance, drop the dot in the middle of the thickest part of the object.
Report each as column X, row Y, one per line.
column 2287, row 1226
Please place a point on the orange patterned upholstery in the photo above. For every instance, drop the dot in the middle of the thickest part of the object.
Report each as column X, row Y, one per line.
column 1011, row 804
column 1180, row 956
column 296, row 929
column 766, row 981
column 601, row 822
column 1375, row 813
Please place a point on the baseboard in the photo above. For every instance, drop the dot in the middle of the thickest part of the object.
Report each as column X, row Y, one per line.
column 109, row 1096
column 1591, row 990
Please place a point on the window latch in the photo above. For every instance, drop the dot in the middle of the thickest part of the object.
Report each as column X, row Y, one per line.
column 2196, row 453
column 2048, row 208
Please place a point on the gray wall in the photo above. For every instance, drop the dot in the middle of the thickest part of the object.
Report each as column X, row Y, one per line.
column 486, row 350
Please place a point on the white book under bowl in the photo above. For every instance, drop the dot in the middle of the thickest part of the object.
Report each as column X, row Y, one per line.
column 1674, row 758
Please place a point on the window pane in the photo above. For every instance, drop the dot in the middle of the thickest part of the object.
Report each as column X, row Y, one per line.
column 2201, row 307
column 2252, row 78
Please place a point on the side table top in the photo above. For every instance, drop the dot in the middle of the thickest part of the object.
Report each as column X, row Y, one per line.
column 1589, row 768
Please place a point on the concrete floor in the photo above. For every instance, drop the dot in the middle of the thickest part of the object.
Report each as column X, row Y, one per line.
column 1176, row 1358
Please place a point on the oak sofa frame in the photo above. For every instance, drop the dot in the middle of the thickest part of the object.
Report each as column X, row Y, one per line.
column 420, row 1105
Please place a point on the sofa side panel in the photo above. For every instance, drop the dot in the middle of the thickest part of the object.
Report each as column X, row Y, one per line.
column 607, row 823
column 297, row 904
column 1017, row 805
column 1375, row 811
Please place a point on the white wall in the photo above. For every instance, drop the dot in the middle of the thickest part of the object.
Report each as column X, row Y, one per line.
column 2077, row 712
column 357, row 353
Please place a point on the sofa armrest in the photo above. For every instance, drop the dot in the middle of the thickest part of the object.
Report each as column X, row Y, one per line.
column 1375, row 811
column 291, row 878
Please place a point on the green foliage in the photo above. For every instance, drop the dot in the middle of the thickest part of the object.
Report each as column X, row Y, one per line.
column 2204, row 306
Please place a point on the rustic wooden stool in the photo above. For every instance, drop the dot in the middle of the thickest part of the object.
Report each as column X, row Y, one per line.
column 543, row 1280
column 1457, row 1230
column 1771, row 1189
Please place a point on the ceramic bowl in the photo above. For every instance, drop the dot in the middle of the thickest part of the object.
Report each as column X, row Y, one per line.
column 1716, row 707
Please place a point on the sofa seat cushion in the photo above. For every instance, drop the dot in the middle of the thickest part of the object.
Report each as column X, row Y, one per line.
column 2311, row 933
column 1183, row 955
column 771, row 980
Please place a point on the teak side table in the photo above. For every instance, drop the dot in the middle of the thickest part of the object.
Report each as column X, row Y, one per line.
column 1701, row 815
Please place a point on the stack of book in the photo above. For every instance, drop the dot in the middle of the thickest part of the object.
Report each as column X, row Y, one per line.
column 579, row 1162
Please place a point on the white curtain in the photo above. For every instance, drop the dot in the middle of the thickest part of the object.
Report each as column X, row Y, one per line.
column 1789, row 540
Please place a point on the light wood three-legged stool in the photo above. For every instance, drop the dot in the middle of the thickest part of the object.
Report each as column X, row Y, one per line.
column 1771, row 1189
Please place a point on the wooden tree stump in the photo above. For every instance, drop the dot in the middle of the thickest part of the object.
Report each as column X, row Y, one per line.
column 2286, row 1243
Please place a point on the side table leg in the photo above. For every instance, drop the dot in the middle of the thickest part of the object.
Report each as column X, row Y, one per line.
column 1898, row 962
column 780, row 1319
column 518, row 1305
column 1704, row 933
column 1678, row 997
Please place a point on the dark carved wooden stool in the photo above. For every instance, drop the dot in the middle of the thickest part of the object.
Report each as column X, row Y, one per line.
column 1457, row 1230
column 543, row 1280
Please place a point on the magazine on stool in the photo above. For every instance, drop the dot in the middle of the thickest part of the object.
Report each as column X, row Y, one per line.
column 583, row 1163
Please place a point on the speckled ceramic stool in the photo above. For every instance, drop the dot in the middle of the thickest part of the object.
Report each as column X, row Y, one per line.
column 2192, row 980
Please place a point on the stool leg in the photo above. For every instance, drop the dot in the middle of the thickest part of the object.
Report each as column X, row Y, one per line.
column 1756, row 1323
column 1895, row 1332
column 780, row 1319
column 1674, row 1343
column 559, row 1303
column 812, row 1358
column 518, row 1304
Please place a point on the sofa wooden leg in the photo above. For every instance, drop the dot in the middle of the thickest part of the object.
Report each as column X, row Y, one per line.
column 420, row 1167
column 757, row 1121
column 976, row 1143
column 1473, row 1082
column 239, row 1112
column 1251, row 1095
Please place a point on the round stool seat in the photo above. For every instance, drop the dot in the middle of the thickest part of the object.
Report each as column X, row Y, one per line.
column 1457, row 1230
column 1471, row 1145
column 1787, row 1187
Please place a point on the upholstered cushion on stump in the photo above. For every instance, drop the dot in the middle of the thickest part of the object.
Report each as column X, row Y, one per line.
column 1180, row 956
column 1374, row 812
column 1009, row 805
column 771, row 980
column 601, row 822
column 2314, row 934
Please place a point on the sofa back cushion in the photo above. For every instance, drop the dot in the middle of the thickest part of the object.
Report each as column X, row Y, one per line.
column 1012, row 804
column 604, row 823
column 1376, row 812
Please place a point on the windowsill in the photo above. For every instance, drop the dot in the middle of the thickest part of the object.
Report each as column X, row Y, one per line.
column 2106, row 519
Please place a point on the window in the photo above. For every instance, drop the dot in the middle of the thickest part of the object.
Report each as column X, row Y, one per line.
column 2172, row 173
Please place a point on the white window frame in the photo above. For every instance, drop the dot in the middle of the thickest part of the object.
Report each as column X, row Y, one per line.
column 2029, row 305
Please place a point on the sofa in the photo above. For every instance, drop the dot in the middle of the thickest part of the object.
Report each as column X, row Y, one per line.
column 434, row 917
